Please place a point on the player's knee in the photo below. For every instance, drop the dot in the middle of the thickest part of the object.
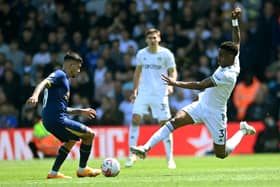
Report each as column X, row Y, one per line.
column 136, row 119
column 90, row 134
column 176, row 122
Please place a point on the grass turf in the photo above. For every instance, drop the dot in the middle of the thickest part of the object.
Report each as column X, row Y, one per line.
column 242, row 170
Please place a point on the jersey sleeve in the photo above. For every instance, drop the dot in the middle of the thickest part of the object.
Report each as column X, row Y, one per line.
column 219, row 78
column 55, row 78
column 138, row 59
column 171, row 60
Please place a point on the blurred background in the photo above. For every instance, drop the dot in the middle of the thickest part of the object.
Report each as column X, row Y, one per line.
column 35, row 35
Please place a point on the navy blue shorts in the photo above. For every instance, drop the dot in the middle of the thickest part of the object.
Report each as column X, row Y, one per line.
column 66, row 129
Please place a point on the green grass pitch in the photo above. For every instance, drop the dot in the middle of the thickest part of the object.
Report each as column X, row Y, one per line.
column 241, row 170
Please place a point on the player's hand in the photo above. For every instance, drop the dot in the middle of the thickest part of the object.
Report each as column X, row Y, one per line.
column 236, row 13
column 89, row 113
column 33, row 100
column 168, row 80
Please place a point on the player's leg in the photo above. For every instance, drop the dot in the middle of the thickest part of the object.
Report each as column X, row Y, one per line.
column 216, row 124
column 244, row 129
column 58, row 130
column 181, row 118
column 168, row 146
column 223, row 151
column 160, row 110
column 87, row 135
column 187, row 115
column 133, row 138
column 140, row 107
column 61, row 156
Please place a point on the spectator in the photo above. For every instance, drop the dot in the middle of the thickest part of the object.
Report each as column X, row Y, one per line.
column 268, row 140
column 43, row 142
column 4, row 47
column 26, row 88
column 43, row 57
column 8, row 113
column 263, row 105
column 11, row 85
column 244, row 94
column 107, row 88
column 52, row 42
column 99, row 74
column 126, row 106
column 112, row 115
column 28, row 116
column 16, row 56
column 93, row 55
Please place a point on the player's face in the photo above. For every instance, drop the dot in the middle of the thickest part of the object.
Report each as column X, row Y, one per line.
column 224, row 58
column 153, row 39
column 75, row 69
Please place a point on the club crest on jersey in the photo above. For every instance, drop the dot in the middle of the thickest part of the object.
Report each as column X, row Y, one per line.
column 159, row 58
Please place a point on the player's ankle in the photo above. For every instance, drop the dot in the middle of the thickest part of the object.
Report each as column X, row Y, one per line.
column 53, row 173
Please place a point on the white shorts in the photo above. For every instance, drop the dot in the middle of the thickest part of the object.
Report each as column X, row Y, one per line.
column 159, row 107
column 215, row 121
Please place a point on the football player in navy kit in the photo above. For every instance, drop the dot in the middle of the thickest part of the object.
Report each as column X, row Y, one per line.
column 56, row 120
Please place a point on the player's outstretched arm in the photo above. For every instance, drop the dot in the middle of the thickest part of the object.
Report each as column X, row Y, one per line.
column 87, row 112
column 33, row 100
column 195, row 85
column 172, row 73
column 236, row 13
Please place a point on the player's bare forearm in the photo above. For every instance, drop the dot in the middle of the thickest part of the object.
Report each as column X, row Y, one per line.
column 74, row 111
column 236, row 13
column 188, row 85
column 172, row 73
column 40, row 87
column 136, row 78
column 236, row 35
column 200, row 85
column 87, row 112
column 33, row 100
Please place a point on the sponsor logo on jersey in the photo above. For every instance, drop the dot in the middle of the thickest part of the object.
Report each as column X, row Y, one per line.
column 151, row 66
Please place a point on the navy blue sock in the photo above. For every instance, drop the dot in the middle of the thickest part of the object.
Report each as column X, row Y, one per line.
column 62, row 154
column 84, row 154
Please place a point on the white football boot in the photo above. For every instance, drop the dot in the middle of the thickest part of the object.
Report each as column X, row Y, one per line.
column 171, row 164
column 130, row 161
column 248, row 129
column 140, row 151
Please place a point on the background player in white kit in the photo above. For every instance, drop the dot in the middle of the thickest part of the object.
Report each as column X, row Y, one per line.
column 210, row 109
column 150, row 92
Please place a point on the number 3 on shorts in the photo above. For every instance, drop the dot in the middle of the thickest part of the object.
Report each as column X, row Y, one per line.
column 222, row 133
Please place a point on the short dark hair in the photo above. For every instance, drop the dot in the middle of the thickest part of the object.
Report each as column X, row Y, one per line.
column 229, row 47
column 73, row 56
column 151, row 31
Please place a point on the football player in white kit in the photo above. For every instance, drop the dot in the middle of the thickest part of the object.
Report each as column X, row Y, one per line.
column 210, row 109
column 151, row 92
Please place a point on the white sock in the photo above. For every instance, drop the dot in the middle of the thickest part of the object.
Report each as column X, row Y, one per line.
column 81, row 169
column 234, row 141
column 52, row 172
column 159, row 135
column 168, row 145
column 133, row 135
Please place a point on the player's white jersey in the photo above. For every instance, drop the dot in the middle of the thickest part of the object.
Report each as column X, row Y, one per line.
column 153, row 65
column 215, row 98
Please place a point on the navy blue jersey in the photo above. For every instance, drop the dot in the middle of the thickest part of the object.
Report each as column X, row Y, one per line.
column 56, row 97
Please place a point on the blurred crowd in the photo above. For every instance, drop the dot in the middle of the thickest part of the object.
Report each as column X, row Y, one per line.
column 35, row 35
